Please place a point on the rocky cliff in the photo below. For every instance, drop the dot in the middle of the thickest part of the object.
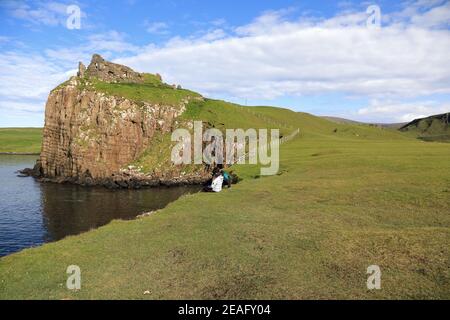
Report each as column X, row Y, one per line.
column 99, row 122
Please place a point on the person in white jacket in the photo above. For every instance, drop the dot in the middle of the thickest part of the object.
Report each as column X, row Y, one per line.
column 216, row 184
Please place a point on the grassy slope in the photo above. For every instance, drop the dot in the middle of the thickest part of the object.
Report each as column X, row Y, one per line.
column 224, row 115
column 344, row 200
column 429, row 129
column 20, row 140
column 151, row 90
column 218, row 113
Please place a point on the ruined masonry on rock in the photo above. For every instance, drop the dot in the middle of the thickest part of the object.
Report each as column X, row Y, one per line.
column 81, row 70
column 90, row 135
column 112, row 72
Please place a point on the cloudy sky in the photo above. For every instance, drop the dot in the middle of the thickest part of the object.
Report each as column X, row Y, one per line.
column 323, row 57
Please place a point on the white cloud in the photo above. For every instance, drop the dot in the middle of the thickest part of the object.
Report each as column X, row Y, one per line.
column 218, row 22
column 30, row 106
column 109, row 44
column 111, row 41
column 272, row 57
column 26, row 80
column 49, row 13
column 212, row 35
column 436, row 17
column 157, row 27
column 28, row 76
column 422, row 13
column 401, row 111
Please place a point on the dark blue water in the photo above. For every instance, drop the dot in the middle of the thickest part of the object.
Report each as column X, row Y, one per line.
column 32, row 213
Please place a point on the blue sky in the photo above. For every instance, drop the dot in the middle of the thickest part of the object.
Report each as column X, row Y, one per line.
column 320, row 57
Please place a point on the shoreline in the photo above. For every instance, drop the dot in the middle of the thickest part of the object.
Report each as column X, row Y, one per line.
column 20, row 153
column 130, row 184
column 120, row 181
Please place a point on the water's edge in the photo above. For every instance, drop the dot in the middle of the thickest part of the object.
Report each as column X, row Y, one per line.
column 33, row 213
column 127, row 179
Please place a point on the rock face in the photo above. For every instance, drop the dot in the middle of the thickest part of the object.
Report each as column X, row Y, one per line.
column 90, row 136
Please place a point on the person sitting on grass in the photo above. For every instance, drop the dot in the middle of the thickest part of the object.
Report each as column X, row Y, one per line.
column 216, row 184
column 226, row 178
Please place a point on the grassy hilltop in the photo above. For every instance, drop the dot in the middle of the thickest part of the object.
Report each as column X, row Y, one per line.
column 347, row 196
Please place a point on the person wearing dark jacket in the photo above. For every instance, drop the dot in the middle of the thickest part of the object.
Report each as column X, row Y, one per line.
column 226, row 178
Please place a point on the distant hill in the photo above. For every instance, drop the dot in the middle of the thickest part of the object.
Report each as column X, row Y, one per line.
column 348, row 121
column 433, row 128
column 341, row 120
column 391, row 125
column 20, row 140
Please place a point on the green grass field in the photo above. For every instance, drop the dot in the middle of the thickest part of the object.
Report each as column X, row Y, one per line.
column 152, row 90
column 346, row 197
column 20, row 140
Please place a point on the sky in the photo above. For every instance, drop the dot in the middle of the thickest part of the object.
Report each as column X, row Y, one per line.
column 381, row 61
